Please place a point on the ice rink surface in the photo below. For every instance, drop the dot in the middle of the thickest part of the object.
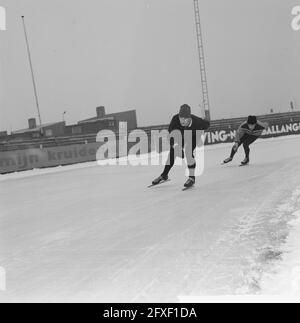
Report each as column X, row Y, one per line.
column 98, row 234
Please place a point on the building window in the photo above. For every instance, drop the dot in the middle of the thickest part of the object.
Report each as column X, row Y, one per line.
column 36, row 135
column 76, row 130
column 49, row 133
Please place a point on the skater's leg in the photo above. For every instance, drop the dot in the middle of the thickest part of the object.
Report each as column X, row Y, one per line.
column 235, row 149
column 192, row 170
column 247, row 150
column 169, row 164
column 191, row 164
column 246, row 144
column 171, row 160
column 191, row 161
column 233, row 152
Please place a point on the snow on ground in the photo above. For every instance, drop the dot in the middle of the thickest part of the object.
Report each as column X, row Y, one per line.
column 98, row 234
column 284, row 277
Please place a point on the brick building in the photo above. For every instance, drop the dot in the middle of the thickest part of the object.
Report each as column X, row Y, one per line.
column 92, row 125
column 34, row 131
column 103, row 121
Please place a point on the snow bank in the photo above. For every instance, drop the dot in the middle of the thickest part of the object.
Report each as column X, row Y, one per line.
column 284, row 279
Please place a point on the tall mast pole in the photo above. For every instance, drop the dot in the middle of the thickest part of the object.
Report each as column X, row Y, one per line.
column 32, row 75
column 202, row 61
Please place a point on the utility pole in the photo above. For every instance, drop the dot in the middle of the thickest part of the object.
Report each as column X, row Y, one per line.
column 32, row 75
column 205, row 96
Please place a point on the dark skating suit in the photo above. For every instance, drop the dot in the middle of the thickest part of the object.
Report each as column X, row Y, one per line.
column 185, row 142
column 245, row 136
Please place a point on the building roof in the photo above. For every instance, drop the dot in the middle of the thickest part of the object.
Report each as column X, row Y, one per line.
column 38, row 128
column 95, row 119
column 109, row 116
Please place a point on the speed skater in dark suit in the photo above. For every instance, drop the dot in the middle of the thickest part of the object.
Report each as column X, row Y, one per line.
column 188, row 126
column 246, row 135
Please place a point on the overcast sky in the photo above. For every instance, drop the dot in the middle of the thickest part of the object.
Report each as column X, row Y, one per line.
column 142, row 54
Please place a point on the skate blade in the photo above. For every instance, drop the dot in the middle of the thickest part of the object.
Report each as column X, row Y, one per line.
column 152, row 185
column 187, row 188
column 226, row 163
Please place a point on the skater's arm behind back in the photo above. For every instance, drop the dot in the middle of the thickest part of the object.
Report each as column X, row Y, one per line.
column 201, row 124
column 240, row 132
column 265, row 125
column 173, row 124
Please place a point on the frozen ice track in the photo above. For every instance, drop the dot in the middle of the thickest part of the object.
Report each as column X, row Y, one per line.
column 99, row 234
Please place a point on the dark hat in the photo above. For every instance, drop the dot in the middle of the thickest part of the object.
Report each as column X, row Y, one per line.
column 185, row 111
column 252, row 120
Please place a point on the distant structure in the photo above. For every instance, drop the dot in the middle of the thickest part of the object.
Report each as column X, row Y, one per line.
column 35, row 131
column 3, row 134
column 113, row 118
column 103, row 121
column 84, row 127
column 205, row 96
